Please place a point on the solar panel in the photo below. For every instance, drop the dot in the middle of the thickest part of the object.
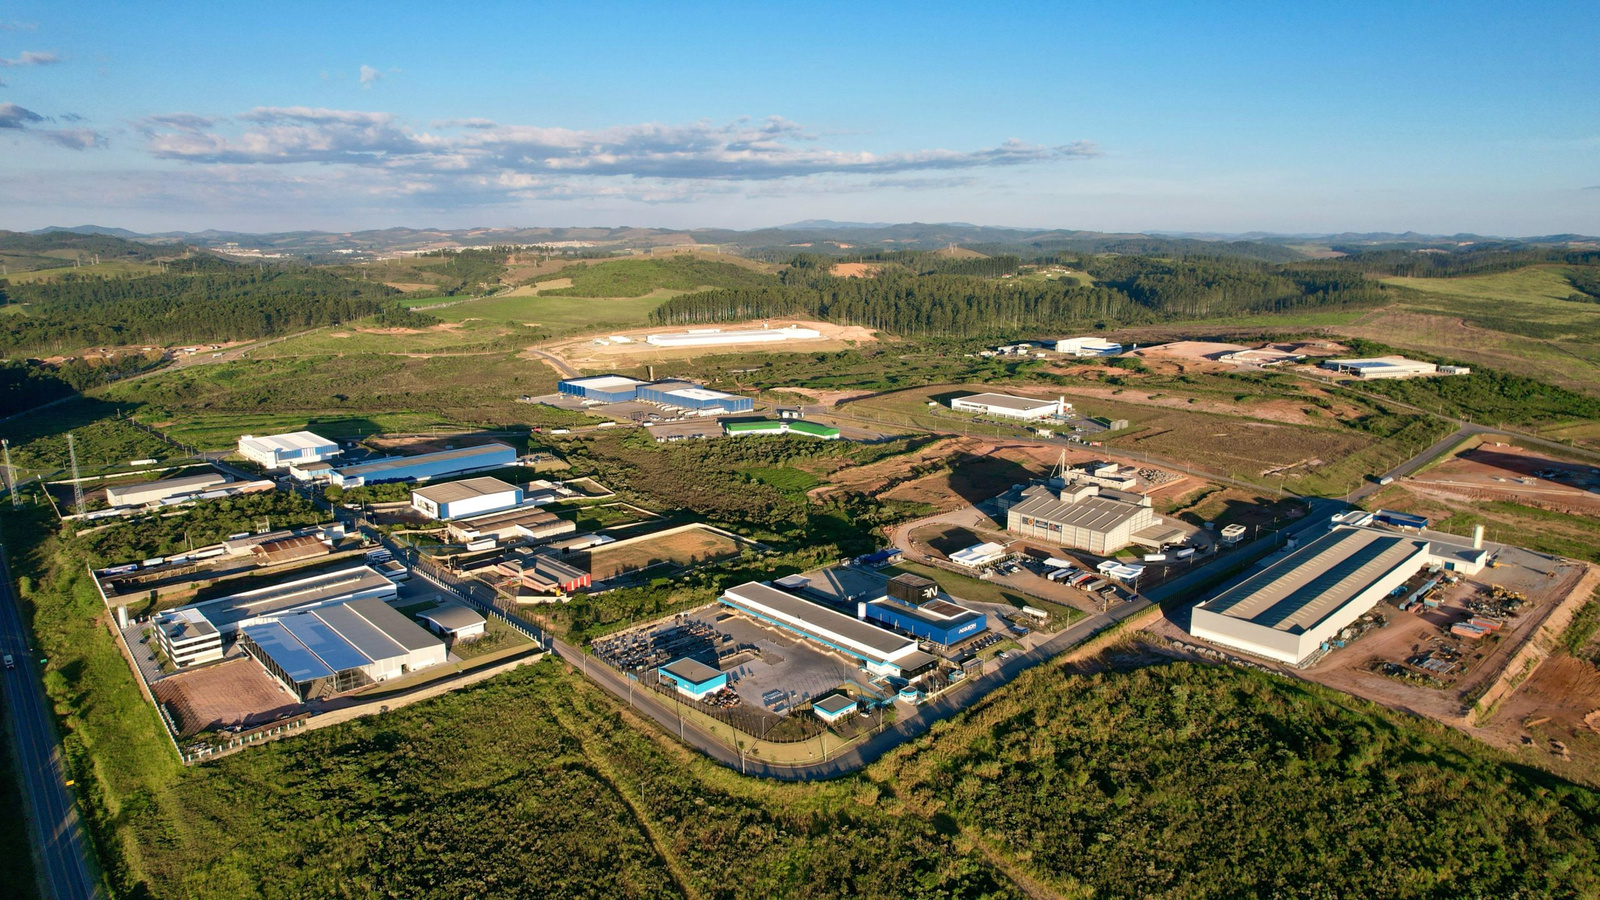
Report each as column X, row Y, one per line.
column 300, row 664
column 326, row 643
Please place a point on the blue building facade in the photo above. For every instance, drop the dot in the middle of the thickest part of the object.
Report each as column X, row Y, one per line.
column 426, row 465
column 604, row 388
column 940, row 621
column 693, row 678
column 692, row 396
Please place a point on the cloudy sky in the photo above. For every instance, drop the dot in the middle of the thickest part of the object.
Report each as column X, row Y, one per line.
column 1174, row 116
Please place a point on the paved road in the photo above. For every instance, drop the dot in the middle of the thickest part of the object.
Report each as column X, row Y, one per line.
column 560, row 364
column 56, row 830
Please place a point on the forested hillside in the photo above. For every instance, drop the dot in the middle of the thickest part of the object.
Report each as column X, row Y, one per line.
column 23, row 252
column 199, row 299
column 1129, row 290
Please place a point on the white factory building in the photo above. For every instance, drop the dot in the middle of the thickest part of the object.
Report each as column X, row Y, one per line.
column 1390, row 367
column 277, row 451
column 1084, row 516
column 1288, row 610
column 1088, row 346
column 713, row 337
column 187, row 638
column 882, row 652
column 146, row 492
column 1010, row 407
column 468, row 497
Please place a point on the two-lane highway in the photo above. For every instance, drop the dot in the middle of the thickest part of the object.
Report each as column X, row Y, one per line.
column 62, row 851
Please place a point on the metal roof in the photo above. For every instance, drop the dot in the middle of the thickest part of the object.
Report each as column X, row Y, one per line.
column 834, row 704
column 1007, row 401
column 329, row 646
column 394, row 625
column 294, row 440
column 690, row 670
column 399, row 462
column 367, row 637
column 823, row 622
column 300, row 664
column 699, row 393
column 226, row 611
column 453, row 617
column 1297, row 592
column 1101, row 514
column 466, row 489
column 604, row 382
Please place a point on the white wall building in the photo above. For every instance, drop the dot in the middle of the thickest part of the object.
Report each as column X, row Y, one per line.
column 147, row 492
column 711, row 337
column 187, row 638
column 468, row 497
column 1010, row 407
column 1088, row 346
column 1286, row 611
column 276, row 451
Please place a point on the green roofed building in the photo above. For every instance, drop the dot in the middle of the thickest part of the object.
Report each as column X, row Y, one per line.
column 768, row 426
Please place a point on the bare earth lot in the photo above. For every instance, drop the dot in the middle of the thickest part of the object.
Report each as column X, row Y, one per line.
column 583, row 353
column 235, row 692
column 1509, row 473
column 680, row 548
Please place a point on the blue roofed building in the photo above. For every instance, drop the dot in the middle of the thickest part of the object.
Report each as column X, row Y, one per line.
column 426, row 466
column 601, row 388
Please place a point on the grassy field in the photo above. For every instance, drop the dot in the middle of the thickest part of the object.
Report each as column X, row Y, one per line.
column 561, row 315
column 785, row 478
column 641, row 276
column 113, row 269
column 679, row 549
column 364, row 337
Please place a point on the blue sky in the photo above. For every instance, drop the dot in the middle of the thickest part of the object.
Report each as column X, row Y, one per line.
column 1177, row 116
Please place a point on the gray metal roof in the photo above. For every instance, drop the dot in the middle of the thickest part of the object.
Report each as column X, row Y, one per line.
column 690, row 670
column 399, row 462
column 825, row 623
column 226, row 611
column 395, row 625
column 1302, row 589
column 465, row 489
column 452, row 617
column 1102, row 514
column 1007, row 401
column 833, row 704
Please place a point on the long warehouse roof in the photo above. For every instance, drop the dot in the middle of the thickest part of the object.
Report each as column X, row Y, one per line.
column 455, row 491
column 1100, row 514
column 819, row 620
column 1007, row 401
column 400, row 462
column 1297, row 592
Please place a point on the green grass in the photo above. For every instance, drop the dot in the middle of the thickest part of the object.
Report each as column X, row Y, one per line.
column 364, row 338
column 112, row 269
column 784, row 478
column 638, row 277
column 560, row 315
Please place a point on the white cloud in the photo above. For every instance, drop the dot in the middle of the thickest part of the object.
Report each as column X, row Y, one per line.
column 18, row 26
column 742, row 150
column 20, row 119
column 30, row 58
column 370, row 76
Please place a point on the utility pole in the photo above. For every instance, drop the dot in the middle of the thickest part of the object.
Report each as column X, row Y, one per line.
column 77, row 485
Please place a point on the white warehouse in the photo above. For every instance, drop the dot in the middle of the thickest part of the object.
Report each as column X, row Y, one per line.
column 1088, row 346
column 711, row 337
column 468, row 497
column 1010, row 407
column 277, row 451
column 1286, row 611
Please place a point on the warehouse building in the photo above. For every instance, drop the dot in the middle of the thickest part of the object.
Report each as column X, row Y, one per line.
column 787, row 426
column 712, row 337
column 354, row 583
column 934, row 619
column 1088, row 346
column 692, row 678
column 275, row 451
column 1083, row 516
column 426, row 466
column 339, row 647
column 523, row 524
column 147, row 492
column 543, row 573
column 469, row 497
column 1007, row 406
column 1287, row 611
column 979, row 555
column 289, row 549
column 602, row 388
column 455, row 622
column 835, row 707
column 187, row 638
column 1390, row 367
column 693, row 397
column 882, row 652
column 310, row 471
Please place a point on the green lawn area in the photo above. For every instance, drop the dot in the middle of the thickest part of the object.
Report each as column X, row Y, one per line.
column 560, row 315
column 784, row 478
column 640, row 277
column 112, row 269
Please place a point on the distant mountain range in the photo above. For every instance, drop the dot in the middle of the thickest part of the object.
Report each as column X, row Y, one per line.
column 811, row 235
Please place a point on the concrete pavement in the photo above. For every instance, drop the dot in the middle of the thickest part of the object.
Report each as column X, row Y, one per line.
column 61, row 851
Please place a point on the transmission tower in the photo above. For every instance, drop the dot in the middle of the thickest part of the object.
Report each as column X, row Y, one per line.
column 77, row 486
column 11, row 474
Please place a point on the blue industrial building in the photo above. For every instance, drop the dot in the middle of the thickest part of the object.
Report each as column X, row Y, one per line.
column 693, row 678
column 834, row 707
column 938, row 620
column 426, row 466
column 688, row 395
column 603, row 388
